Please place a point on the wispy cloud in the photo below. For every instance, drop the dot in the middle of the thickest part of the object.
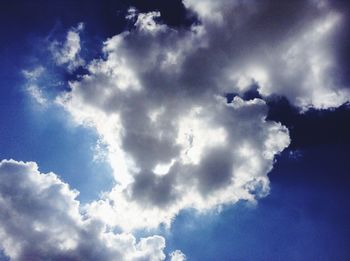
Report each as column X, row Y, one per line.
column 67, row 53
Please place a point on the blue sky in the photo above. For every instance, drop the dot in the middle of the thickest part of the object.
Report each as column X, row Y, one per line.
column 192, row 130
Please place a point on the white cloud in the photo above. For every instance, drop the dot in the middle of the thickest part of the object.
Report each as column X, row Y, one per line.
column 156, row 102
column 40, row 219
column 37, row 94
column 149, row 107
column 177, row 256
column 33, row 89
column 67, row 53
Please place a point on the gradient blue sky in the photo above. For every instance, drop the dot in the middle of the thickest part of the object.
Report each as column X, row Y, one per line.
column 306, row 214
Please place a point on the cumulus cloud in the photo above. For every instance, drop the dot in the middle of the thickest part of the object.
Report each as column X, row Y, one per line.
column 286, row 48
column 157, row 101
column 172, row 139
column 40, row 219
column 67, row 53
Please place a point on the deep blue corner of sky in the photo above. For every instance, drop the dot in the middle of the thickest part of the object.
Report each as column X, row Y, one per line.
column 305, row 217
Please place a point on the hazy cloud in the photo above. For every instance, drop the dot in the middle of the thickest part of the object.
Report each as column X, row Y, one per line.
column 67, row 53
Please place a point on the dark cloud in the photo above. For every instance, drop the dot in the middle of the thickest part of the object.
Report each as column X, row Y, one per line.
column 215, row 170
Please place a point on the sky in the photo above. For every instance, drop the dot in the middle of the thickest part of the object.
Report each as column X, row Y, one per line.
column 174, row 130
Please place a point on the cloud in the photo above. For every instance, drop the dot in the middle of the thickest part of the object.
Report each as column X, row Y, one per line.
column 157, row 101
column 33, row 75
column 171, row 138
column 40, row 219
column 67, row 53
column 177, row 256
column 37, row 94
column 287, row 49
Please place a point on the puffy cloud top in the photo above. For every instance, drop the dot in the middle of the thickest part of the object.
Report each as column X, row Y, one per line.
column 40, row 220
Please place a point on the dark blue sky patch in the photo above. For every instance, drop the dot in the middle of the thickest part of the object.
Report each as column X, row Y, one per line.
column 314, row 127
